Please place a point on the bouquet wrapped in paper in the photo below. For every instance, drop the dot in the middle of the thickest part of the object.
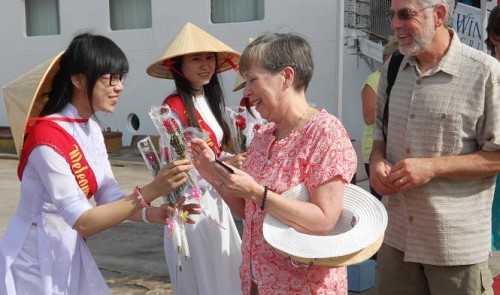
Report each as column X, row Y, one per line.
column 148, row 152
column 175, row 223
column 173, row 141
column 172, row 145
column 244, row 123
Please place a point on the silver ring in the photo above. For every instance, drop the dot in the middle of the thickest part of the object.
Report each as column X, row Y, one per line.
column 401, row 181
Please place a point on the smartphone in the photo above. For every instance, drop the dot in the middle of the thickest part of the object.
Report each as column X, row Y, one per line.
column 229, row 169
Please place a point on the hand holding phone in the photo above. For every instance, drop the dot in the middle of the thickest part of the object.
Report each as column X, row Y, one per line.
column 229, row 169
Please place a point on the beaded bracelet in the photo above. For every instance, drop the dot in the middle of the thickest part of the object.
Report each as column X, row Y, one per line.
column 144, row 215
column 137, row 192
column 264, row 198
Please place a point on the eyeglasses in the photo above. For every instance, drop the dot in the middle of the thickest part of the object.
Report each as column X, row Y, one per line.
column 114, row 79
column 405, row 13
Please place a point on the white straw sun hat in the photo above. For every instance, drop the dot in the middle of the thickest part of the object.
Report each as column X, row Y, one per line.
column 192, row 39
column 357, row 236
column 26, row 96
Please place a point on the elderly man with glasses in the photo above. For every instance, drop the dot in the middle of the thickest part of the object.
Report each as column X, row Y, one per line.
column 439, row 161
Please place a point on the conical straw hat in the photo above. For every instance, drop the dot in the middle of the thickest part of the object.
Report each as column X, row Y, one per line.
column 192, row 39
column 25, row 97
column 239, row 82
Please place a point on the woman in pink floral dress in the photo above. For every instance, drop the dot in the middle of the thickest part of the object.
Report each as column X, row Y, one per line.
column 299, row 145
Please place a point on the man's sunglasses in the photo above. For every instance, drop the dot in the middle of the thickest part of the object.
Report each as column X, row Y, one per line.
column 405, row 13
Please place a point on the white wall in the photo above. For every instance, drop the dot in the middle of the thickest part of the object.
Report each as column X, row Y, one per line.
column 315, row 19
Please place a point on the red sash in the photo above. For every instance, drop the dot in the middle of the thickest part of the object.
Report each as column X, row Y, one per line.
column 51, row 134
column 174, row 101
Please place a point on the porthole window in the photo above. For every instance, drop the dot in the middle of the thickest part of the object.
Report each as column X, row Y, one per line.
column 133, row 122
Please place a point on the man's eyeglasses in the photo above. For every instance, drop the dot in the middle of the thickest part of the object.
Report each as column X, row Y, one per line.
column 405, row 13
column 114, row 79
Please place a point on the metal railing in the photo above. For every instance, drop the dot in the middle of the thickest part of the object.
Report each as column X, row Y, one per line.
column 368, row 16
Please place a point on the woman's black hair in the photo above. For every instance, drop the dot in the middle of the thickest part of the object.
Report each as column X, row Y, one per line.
column 87, row 54
column 214, row 94
column 493, row 28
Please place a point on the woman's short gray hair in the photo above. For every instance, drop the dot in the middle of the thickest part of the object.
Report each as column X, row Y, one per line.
column 275, row 51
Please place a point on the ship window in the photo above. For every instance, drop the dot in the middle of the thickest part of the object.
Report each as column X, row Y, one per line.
column 42, row 17
column 226, row 11
column 130, row 14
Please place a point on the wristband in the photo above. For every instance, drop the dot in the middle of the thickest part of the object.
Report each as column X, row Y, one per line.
column 144, row 215
column 264, row 198
column 137, row 192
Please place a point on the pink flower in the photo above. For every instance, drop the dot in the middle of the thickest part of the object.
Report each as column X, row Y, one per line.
column 188, row 136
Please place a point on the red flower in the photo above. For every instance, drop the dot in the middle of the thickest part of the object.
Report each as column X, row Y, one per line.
column 151, row 157
column 163, row 109
column 245, row 102
column 171, row 125
column 153, row 161
column 166, row 156
column 256, row 127
column 241, row 123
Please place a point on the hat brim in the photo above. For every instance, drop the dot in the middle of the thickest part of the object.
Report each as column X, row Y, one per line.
column 25, row 97
column 190, row 40
column 239, row 82
column 346, row 260
column 357, row 235
column 225, row 61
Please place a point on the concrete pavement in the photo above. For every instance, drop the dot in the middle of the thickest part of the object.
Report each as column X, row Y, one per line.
column 129, row 255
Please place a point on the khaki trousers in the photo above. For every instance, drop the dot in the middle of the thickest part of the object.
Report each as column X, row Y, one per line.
column 396, row 277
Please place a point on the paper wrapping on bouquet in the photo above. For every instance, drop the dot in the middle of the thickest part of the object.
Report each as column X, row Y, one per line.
column 172, row 146
column 154, row 162
column 148, row 153
column 175, row 224
column 177, row 233
column 173, row 142
column 244, row 123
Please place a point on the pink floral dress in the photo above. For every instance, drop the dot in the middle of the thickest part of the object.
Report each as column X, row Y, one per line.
column 313, row 155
